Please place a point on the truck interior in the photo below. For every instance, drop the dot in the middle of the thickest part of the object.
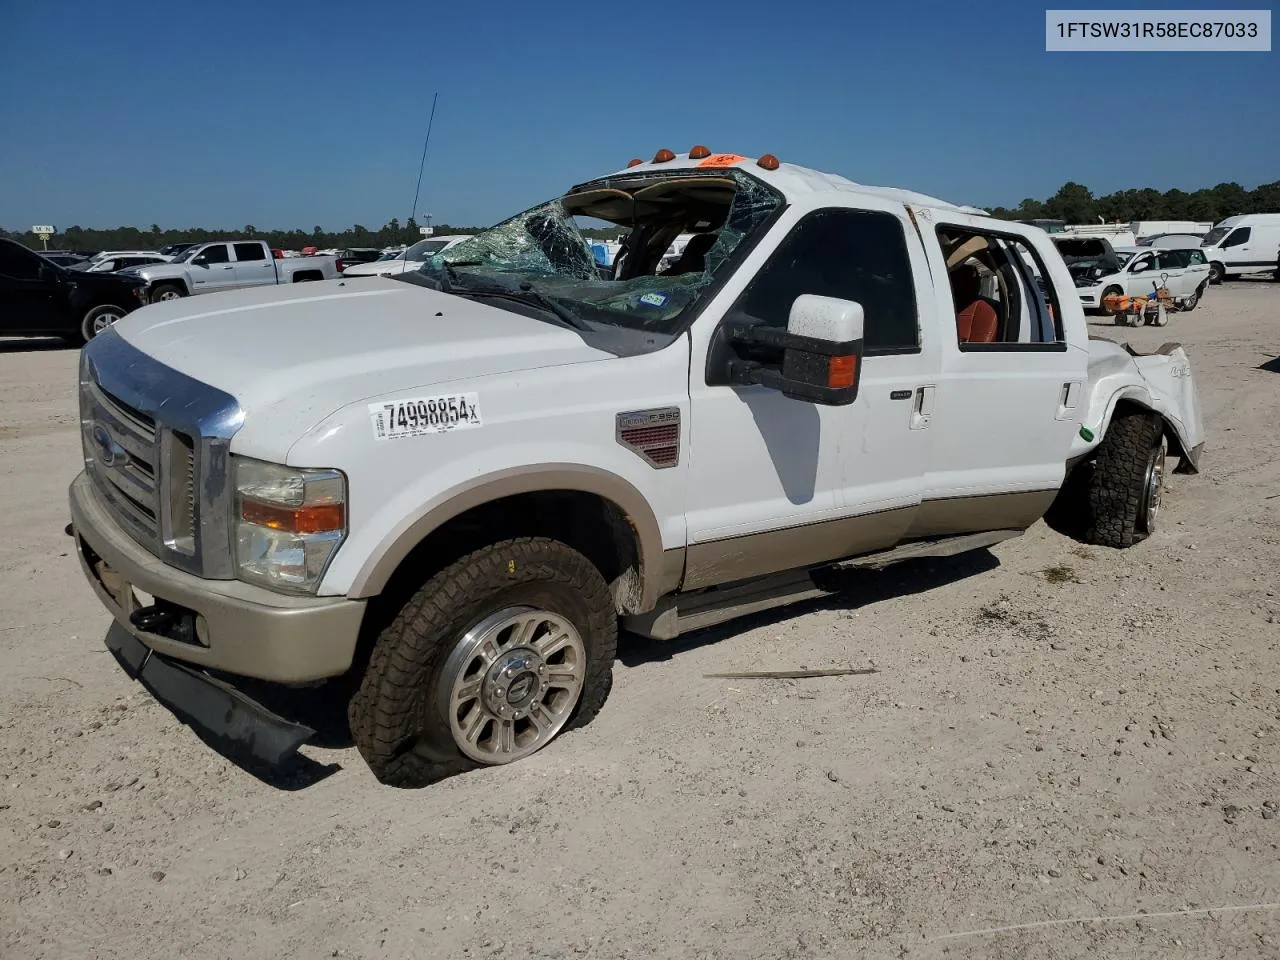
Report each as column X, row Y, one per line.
column 998, row 290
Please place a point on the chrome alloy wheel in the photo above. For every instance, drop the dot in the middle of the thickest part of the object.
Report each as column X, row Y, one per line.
column 1153, row 487
column 512, row 683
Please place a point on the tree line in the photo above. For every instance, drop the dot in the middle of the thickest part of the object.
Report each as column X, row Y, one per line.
column 153, row 238
column 1073, row 202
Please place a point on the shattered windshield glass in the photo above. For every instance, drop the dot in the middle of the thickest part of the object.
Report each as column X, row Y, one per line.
column 542, row 257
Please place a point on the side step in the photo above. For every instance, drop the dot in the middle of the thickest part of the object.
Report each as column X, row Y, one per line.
column 683, row 613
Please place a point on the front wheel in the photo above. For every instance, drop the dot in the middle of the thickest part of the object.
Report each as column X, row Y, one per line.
column 98, row 319
column 486, row 663
column 167, row 291
column 1217, row 273
column 1127, row 482
column 1193, row 301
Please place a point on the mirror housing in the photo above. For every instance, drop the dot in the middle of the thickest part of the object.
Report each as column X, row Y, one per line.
column 200, row 260
column 46, row 273
column 821, row 351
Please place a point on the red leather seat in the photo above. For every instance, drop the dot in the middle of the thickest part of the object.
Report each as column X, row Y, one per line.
column 978, row 323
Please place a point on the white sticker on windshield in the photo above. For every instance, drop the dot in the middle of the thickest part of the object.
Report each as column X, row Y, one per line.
column 654, row 299
column 419, row 416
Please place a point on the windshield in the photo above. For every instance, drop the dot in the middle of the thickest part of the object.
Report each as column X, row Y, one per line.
column 1214, row 235
column 186, row 254
column 543, row 257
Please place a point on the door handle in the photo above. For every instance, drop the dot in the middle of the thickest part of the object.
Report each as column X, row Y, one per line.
column 228, row 268
column 922, row 407
column 1069, row 398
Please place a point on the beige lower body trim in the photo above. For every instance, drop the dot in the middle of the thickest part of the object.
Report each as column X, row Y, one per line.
column 992, row 511
column 810, row 545
column 815, row 544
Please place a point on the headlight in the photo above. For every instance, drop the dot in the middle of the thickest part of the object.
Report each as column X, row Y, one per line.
column 289, row 523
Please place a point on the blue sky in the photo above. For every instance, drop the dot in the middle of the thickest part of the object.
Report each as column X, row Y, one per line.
column 304, row 113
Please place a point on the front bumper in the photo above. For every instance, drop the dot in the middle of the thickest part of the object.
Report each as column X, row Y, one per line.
column 238, row 628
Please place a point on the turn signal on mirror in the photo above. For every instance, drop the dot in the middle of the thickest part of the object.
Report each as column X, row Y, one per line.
column 841, row 371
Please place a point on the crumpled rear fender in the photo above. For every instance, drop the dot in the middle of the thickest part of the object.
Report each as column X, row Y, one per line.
column 1161, row 381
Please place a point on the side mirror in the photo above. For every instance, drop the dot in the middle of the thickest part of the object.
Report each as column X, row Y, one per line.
column 46, row 273
column 200, row 261
column 821, row 351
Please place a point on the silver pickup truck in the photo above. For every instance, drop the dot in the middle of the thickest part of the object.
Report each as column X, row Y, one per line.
column 228, row 265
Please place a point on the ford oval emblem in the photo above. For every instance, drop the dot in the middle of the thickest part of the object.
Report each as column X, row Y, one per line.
column 108, row 451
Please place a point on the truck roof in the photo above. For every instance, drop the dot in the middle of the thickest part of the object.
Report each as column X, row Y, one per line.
column 792, row 180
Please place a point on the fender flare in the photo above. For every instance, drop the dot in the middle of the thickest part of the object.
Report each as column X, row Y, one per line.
column 377, row 570
column 1188, row 457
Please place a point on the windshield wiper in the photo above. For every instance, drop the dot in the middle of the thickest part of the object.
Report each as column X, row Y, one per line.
column 526, row 294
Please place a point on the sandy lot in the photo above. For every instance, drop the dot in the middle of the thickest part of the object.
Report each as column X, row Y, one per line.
column 1098, row 739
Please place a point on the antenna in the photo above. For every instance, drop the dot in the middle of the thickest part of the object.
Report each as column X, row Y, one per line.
column 421, row 166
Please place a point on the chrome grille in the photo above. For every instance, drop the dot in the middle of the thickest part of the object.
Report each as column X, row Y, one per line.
column 157, row 449
column 120, row 455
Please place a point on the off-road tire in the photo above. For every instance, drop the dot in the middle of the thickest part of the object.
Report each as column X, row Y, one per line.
column 1117, row 484
column 158, row 294
column 397, row 716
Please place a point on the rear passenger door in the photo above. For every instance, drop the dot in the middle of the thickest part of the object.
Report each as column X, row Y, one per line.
column 1010, row 392
column 253, row 267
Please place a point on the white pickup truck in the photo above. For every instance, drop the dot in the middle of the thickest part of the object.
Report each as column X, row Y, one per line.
column 228, row 265
column 451, row 490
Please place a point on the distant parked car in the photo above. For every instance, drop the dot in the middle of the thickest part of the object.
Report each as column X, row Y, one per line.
column 39, row 298
column 229, row 265
column 411, row 259
column 355, row 255
column 1184, row 273
column 62, row 258
column 112, row 264
column 1172, row 241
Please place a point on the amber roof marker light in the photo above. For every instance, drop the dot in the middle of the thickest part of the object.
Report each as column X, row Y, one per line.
column 699, row 152
column 634, row 162
column 768, row 162
column 663, row 155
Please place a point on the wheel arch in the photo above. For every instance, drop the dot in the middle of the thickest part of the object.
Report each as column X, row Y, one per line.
column 1136, row 399
column 597, row 512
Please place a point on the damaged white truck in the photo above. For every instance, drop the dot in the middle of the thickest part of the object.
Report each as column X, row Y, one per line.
column 451, row 489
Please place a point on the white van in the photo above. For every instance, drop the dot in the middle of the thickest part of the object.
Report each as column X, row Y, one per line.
column 1249, row 243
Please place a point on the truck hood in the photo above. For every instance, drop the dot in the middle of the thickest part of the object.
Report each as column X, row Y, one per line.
column 307, row 350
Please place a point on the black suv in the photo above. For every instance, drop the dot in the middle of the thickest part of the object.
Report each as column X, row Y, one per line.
column 39, row 298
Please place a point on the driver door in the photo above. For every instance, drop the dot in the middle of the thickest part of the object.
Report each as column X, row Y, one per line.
column 212, row 269
column 787, row 484
column 1140, row 273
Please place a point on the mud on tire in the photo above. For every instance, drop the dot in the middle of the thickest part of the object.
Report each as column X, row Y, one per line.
column 399, row 716
column 1117, row 486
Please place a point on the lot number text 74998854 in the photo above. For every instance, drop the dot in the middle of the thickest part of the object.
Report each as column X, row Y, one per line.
column 417, row 416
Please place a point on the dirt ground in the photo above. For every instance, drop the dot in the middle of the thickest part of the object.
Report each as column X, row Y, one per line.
column 1056, row 733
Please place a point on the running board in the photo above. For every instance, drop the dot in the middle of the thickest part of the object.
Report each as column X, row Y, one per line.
column 916, row 549
column 678, row 614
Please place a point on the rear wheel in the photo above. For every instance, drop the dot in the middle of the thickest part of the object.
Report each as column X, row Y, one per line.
column 98, row 319
column 1217, row 273
column 1127, row 483
column 487, row 663
column 167, row 291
